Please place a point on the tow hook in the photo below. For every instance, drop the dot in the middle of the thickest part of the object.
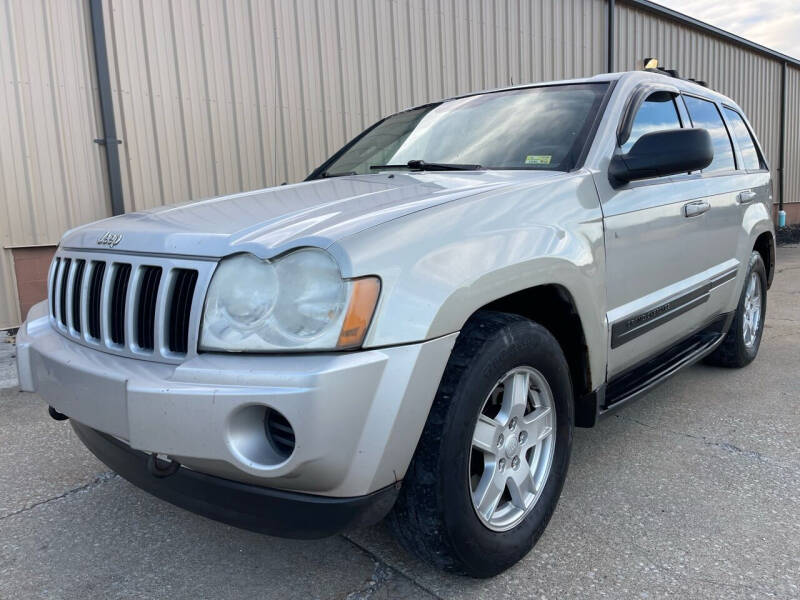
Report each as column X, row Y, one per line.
column 162, row 468
column 56, row 415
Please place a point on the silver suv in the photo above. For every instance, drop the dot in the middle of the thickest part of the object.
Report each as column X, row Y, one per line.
column 415, row 330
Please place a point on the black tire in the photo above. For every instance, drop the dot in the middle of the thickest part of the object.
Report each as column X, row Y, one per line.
column 434, row 516
column 732, row 353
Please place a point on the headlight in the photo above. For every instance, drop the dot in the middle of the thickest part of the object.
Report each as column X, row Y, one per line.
column 296, row 302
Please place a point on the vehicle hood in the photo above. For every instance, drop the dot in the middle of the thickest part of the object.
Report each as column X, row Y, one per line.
column 267, row 222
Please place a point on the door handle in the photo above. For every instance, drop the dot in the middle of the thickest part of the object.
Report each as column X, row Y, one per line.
column 694, row 209
column 745, row 196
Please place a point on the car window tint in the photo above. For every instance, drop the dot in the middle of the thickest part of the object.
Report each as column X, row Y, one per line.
column 747, row 145
column 657, row 112
column 705, row 115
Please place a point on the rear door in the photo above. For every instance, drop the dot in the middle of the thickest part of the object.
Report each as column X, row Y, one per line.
column 754, row 179
column 730, row 188
column 670, row 242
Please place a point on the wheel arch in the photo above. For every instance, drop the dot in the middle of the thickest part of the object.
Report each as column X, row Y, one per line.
column 553, row 306
column 765, row 246
column 760, row 231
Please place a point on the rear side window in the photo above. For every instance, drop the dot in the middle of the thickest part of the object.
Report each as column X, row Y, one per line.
column 747, row 145
column 657, row 113
column 705, row 115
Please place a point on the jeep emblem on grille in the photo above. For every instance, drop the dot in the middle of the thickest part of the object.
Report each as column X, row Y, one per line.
column 109, row 238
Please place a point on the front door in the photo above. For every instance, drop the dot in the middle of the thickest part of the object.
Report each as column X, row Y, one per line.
column 670, row 243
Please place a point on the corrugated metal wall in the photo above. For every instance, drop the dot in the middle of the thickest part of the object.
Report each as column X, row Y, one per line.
column 216, row 97
column 51, row 172
column 213, row 96
column 793, row 135
column 751, row 79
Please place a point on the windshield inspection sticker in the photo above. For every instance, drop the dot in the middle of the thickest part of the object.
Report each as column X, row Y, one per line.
column 532, row 159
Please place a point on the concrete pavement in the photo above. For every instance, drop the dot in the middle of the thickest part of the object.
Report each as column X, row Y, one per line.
column 693, row 491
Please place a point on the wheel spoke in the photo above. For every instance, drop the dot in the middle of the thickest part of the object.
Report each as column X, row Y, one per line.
column 490, row 489
column 515, row 395
column 486, row 433
column 538, row 424
column 521, row 486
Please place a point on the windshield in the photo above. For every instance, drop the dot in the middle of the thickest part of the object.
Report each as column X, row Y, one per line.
column 529, row 128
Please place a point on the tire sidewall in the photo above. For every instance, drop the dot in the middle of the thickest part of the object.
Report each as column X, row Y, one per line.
column 756, row 264
column 522, row 344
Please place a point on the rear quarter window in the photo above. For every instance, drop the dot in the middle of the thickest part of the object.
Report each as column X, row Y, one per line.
column 706, row 115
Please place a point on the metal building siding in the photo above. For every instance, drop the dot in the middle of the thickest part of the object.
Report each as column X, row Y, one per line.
column 51, row 172
column 792, row 135
column 749, row 78
column 214, row 97
column 217, row 97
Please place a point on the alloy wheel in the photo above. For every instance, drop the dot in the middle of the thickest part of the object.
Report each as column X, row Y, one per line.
column 751, row 321
column 512, row 448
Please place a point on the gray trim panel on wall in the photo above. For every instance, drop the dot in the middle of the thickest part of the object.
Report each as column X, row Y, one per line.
column 109, row 140
column 782, row 139
column 610, row 37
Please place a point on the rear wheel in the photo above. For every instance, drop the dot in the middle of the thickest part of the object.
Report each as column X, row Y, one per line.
column 493, row 456
column 743, row 339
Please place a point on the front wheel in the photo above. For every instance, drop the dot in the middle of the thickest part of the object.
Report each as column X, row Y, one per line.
column 493, row 456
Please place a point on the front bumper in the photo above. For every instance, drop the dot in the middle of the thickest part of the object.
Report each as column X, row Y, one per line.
column 264, row 510
column 356, row 416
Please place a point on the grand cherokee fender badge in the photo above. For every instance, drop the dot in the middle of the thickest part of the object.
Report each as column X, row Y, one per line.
column 109, row 238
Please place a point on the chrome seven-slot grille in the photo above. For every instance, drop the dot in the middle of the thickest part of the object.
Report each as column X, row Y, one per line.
column 133, row 306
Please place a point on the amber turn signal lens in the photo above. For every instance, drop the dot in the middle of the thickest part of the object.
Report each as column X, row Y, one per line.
column 359, row 314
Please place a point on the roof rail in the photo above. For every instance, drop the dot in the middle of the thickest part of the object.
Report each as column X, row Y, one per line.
column 651, row 66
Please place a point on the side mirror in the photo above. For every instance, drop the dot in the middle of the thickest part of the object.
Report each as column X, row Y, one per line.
column 662, row 153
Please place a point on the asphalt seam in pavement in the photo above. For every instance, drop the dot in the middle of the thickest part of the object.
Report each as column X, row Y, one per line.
column 381, row 574
column 732, row 448
column 377, row 580
column 97, row 481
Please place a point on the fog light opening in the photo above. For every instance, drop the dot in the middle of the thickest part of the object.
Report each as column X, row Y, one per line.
column 260, row 436
column 279, row 433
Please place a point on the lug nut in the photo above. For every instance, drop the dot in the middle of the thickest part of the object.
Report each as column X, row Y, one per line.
column 502, row 464
column 523, row 435
column 515, row 463
column 500, row 441
column 512, row 424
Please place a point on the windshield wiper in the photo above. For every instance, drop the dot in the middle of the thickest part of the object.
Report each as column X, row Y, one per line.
column 325, row 174
column 421, row 165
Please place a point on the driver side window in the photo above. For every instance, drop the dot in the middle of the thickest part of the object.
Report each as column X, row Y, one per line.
column 657, row 113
